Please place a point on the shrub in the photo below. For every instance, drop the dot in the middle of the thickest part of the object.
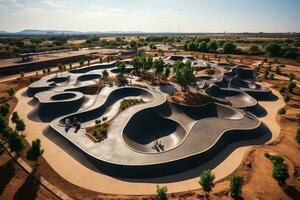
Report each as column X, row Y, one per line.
column 4, row 109
column 97, row 121
column 236, row 183
column 291, row 84
column 10, row 92
column 161, row 193
column 281, row 111
column 35, row 150
column 3, row 124
column 206, row 180
column 298, row 136
column 104, row 118
column 286, row 97
column 15, row 142
column 280, row 171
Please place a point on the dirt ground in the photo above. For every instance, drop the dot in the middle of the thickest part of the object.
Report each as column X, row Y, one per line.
column 255, row 169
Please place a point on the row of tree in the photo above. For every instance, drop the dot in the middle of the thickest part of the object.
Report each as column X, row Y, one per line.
column 15, row 138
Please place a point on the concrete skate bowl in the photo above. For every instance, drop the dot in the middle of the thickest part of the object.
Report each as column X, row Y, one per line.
column 88, row 77
column 176, row 58
column 210, row 110
column 140, row 135
column 53, row 104
column 127, row 70
column 93, row 67
column 245, row 72
column 47, row 83
column 97, row 111
column 237, row 98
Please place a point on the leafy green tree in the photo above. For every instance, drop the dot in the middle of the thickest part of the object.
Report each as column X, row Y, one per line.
column 280, row 171
column 273, row 49
column 281, row 111
column 105, row 74
column 184, row 74
column 192, row 46
column 4, row 109
column 236, row 183
column 254, row 48
column 121, row 67
column 291, row 84
column 20, row 125
column 212, row 46
column 136, row 64
column 161, row 193
column 206, row 180
column 15, row 117
column 3, row 124
column 202, row 47
column 167, row 72
column 10, row 92
column 15, row 142
column 267, row 72
column 229, row 47
column 35, row 150
column 148, row 63
column 158, row 65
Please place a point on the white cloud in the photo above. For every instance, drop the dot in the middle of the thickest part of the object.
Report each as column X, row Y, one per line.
column 55, row 3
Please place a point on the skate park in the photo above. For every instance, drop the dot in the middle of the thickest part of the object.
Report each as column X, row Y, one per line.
column 178, row 133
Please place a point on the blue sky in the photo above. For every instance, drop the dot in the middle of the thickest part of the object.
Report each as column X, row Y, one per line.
column 152, row 15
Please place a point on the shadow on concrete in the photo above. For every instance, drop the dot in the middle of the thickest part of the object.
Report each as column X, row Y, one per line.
column 7, row 172
column 257, row 110
column 29, row 189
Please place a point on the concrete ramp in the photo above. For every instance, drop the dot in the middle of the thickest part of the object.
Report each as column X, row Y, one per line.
column 237, row 98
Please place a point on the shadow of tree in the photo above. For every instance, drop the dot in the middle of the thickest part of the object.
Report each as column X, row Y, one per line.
column 7, row 172
column 28, row 190
column 289, row 190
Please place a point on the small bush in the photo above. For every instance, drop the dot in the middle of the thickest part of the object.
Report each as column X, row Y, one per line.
column 286, row 97
column 236, row 183
column 104, row 119
column 97, row 121
column 206, row 180
column 280, row 171
column 161, row 193
column 281, row 111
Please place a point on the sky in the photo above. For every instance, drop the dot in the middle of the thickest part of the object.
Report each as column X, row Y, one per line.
column 151, row 15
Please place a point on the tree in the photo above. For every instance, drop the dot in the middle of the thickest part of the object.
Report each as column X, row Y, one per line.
column 161, row 193
column 212, row 46
column 3, row 124
column 20, row 125
column 267, row 72
column 10, row 92
column 280, row 171
column 15, row 117
column 15, row 142
column 192, row 46
column 291, row 84
column 236, row 183
column 254, row 48
column 202, row 46
column 184, row 74
column 121, row 67
column 4, row 109
column 272, row 49
column 104, row 74
column 158, row 65
column 206, row 180
column 298, row 136
column 229, row 47
column 35, row 150
column 167, row 72
column 135, row 62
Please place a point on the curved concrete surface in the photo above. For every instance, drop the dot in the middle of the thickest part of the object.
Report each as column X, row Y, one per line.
column 237, row 98
column 157, row 137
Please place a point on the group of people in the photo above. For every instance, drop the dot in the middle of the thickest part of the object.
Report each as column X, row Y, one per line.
column 72, row 123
